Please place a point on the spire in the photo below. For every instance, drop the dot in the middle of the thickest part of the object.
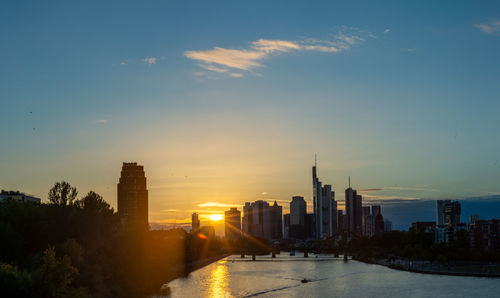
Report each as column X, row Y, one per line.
column 349, row 181
column 315, row 160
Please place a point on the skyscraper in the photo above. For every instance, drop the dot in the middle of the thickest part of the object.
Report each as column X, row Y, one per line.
column 452, row 212
column 350, row 206
column 298, row 210
column 440, row 204
column 232, row 219
column 324, row 207
column 195, row 222
column 262, row 220
column 133, row 197
column 297, row 224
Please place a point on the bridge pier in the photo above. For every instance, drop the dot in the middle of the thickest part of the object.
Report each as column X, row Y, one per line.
column 306, row 254
column 345, row 256
column 336, row 254
column 273, row 255
column 253, row 257
column 242, row 256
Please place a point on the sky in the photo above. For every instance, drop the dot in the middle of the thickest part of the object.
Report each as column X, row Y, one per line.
column 228, row 101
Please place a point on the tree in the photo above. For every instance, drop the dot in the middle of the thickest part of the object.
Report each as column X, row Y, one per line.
column 94, row 203
column 62, row 194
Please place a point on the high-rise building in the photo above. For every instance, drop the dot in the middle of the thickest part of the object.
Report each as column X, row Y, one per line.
column 232, row 219
column 375, row 210
column 452, row 213
column 133, row 197
column 440, row 204
column 195, row 222
column 354, row 212
column 379, row 224
column 387, row 225
column 262, row 220
column 286, row 226
column 275, row 222
column 247, row 218
column 324, row 207
column 298, row 210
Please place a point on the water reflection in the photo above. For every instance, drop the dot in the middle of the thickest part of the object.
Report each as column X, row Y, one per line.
column 218, row 281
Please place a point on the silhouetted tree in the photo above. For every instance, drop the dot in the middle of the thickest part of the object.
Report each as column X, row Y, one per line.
column 62, row 194
column 94, row 203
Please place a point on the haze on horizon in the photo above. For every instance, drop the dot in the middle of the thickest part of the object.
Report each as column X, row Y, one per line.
column 228, row 103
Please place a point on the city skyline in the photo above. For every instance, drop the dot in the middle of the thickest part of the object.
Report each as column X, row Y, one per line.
column 223, row 110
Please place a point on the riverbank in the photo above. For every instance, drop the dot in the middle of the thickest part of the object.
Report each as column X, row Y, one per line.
column 475, row 269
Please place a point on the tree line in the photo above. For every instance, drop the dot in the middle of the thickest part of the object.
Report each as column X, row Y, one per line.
column 77, row 247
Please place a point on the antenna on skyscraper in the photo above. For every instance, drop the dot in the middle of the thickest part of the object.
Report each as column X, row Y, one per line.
column 315, row 160
column 349, row 181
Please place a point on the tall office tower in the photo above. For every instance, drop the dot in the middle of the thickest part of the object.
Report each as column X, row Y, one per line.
column 340, row 222
column 310, row 229
column 195, row 222
column 387, row 225
column 133, row 197
column 286, row 226
column 262, row 220
column 375, row 210
column 247, row 218
column 232, row 219
column 379, row 224
column 298, row 210
column 440, row 211
column 297, row 224
column 350, row 207
column 323, row 207
column 276, row 221
column 366, row 220
column 452, row 213
column 358, row 215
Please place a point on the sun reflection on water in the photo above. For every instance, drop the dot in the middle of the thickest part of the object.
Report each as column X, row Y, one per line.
column 218, row 281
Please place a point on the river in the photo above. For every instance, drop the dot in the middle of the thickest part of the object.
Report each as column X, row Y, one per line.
column 329, row 277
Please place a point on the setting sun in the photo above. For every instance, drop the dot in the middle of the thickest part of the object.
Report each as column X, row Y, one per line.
column 215, row 217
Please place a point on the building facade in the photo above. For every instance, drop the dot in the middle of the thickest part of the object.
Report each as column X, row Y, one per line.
column 133, row 197
column 232, row 219
column 262, row 220
column 324, row 207
column 195, row 222
column 18, row 196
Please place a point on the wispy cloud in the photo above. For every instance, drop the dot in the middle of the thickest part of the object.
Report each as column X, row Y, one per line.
column 387, row 30
column 150, row 60
column 409, row 49
column 213, row 68
column 101, row 121
column 492, row 27
column 222, row 60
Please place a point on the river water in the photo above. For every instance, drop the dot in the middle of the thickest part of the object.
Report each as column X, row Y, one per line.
column 330, row 277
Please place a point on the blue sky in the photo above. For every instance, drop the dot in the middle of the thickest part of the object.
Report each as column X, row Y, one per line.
column 228, row 102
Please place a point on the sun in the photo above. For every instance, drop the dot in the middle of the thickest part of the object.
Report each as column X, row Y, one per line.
column 215, row 217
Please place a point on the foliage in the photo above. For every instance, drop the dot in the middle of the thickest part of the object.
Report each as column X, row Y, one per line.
column 62, row 194
column 78, row 248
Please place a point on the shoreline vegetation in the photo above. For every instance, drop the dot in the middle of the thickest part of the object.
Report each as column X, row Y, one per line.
column 473, row 269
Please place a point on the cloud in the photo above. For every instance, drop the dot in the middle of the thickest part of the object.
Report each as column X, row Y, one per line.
column 221, row 59
column 213, row 68
column 150, row 60
column 123, row 63
column 492, row 27
column 387, row 30
column 215, row 204
column 101, row 121
column 264, row 193
column 409, row 49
